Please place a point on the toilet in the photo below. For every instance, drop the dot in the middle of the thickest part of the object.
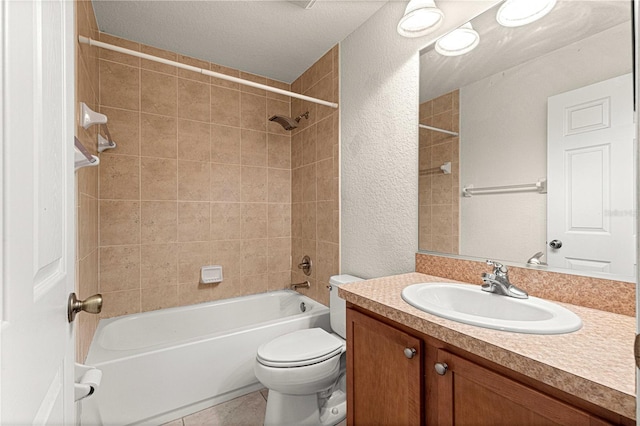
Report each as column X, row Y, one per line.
column 305, row 370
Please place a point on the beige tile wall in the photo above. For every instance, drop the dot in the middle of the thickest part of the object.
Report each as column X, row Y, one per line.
column 199, row 177
column 86, row 178
column 439, row 193
column 315, row 166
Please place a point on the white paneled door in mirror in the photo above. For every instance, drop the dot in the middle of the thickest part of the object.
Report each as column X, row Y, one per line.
column 590, row 201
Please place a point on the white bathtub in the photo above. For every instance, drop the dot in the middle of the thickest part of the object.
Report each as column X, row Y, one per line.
column 161, row 365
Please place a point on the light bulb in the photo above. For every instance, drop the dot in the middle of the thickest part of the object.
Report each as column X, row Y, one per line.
column 420, row 18
column 459, row 41
column 515, row 13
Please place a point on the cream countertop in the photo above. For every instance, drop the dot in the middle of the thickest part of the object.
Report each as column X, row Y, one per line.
column 595, row 363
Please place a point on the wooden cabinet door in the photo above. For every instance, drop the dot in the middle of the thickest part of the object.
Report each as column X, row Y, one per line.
column 472, row 395
column 384, row 386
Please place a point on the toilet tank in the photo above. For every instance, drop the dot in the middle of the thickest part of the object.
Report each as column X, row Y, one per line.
column 337, row 305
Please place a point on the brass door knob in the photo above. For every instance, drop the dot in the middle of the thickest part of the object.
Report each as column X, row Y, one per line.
column 92, row 305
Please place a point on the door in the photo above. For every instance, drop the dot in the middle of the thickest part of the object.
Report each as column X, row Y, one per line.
column 636, row 86
column 591, row 204
column 469, row 394
column 384, row 374
column 36, row 340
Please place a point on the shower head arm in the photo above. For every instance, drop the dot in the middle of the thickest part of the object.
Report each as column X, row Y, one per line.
column 304, row 114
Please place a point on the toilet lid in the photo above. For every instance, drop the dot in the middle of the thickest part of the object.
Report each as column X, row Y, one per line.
column 299, row 348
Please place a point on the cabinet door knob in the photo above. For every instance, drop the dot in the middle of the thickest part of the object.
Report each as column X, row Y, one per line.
column 409, row 352
column 441, row 368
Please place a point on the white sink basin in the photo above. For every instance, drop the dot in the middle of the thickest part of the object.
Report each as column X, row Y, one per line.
column 471, row 305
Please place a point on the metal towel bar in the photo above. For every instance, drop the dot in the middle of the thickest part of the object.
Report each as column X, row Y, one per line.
column 539, row 186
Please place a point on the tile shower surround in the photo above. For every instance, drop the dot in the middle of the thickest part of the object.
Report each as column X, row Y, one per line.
column 315, row 211
column 200, row 176
column 86, row 178
column 439, row 200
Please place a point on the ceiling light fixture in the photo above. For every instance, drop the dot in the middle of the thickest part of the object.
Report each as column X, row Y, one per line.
column 515, row 13
column 420, row 18
column 459, row 41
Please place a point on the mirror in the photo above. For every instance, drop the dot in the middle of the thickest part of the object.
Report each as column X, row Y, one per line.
column 498, row 112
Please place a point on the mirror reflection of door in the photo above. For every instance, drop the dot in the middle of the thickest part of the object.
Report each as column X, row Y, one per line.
column 500, row 95
column 590, row 178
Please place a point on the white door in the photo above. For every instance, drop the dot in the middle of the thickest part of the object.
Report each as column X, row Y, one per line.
column 36, row 340
column 636, row 65
column 590, row 171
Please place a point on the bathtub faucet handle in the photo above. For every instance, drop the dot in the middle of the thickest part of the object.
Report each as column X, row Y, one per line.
column 305, row 265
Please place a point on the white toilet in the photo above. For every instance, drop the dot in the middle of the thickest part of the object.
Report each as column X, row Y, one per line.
column 305, row 370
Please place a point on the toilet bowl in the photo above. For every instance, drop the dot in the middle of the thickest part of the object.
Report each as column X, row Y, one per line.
column 305, row 370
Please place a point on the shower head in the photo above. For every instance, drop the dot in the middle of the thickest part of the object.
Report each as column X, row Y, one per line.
column 287, row 122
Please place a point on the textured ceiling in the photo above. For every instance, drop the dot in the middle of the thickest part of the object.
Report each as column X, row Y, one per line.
column 276, row 39
column 568, row 22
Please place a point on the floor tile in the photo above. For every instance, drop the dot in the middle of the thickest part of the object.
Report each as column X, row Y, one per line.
column 265, row 393
column 174, row 423
column 246, row 410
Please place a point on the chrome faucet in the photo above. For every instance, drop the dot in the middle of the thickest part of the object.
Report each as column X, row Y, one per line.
column 498, row 282
column 535, row 259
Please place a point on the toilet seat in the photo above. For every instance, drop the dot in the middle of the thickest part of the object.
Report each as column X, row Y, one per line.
column 300, row 348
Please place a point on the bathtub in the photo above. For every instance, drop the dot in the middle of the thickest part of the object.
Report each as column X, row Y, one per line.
column 162, row 365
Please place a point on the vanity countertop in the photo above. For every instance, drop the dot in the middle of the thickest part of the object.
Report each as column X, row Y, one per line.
column 595, row 363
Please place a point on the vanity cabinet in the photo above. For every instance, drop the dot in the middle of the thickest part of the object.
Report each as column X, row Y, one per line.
column 469, row 394
column 384, row 374
column 399, row 376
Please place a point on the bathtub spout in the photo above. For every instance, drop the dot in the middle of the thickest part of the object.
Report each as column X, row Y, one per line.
column 301, row 285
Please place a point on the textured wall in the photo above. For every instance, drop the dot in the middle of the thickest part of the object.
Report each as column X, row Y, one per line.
column 379, row 140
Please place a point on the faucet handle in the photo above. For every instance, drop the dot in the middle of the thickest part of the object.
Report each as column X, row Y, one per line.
column 497, row 267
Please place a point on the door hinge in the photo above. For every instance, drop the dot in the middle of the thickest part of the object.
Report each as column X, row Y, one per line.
column 636, row 350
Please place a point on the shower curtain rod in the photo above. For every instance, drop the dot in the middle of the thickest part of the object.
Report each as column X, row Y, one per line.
column 92, row 42
column 437, row 129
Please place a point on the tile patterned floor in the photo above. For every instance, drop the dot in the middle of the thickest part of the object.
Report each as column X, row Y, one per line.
column 247, row 410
